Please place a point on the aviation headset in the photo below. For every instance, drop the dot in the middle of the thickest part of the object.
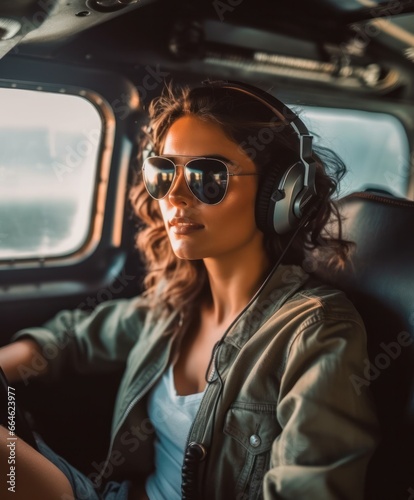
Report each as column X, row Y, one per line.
column 287, row 196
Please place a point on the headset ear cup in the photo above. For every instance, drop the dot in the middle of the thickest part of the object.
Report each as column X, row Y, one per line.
column 264, row 204
column 277, row 198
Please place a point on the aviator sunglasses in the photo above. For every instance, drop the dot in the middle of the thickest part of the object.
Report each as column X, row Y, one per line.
column 207, row 178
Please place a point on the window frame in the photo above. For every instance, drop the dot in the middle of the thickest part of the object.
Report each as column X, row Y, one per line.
column 402, row 111
column 104, row 253
column 100, row 186
column 366, row 185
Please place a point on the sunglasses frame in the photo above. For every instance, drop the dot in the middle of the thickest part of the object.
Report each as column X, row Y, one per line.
column 184, row 165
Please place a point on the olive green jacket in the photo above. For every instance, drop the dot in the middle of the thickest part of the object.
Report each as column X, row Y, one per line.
column 282, row 417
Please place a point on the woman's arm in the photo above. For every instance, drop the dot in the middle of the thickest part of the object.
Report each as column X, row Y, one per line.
column 19, row 354
column 87, row 341
column 330, row 429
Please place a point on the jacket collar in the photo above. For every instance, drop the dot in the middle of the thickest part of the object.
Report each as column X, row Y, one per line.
column 277, row 288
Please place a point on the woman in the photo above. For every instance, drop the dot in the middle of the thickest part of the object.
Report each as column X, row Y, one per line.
column 238, row 361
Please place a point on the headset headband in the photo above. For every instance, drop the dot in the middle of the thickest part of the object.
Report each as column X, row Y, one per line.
column 288, row 195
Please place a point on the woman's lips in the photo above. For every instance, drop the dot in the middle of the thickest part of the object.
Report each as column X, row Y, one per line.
column 183, row 225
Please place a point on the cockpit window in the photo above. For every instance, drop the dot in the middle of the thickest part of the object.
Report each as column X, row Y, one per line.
column 374, row 147
column 48, row 165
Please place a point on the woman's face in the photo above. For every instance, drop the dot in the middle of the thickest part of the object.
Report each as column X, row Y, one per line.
column 215, row 231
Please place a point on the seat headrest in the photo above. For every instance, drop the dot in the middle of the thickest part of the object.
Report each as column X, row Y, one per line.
column 382, row 263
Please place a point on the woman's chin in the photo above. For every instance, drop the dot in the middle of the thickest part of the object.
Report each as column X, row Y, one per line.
column 187, row 255
column 187, row 252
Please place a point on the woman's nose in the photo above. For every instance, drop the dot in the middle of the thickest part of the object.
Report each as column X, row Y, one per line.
column 180, row 193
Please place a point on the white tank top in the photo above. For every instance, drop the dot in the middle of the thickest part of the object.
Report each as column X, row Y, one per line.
column 171, row 416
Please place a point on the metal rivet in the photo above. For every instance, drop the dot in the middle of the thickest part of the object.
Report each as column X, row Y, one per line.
column 197, row 450
column 255, row 440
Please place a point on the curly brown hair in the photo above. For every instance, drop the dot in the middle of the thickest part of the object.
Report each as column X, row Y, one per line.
column 177, row 283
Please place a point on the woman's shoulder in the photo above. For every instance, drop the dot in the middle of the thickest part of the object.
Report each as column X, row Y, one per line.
column 320, row 298
column 329, row 298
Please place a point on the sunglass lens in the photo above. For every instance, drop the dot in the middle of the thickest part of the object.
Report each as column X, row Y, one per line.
column 158, row 176
column 207, row 179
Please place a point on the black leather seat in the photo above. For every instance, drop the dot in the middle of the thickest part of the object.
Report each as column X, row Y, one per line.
column 380, row 281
